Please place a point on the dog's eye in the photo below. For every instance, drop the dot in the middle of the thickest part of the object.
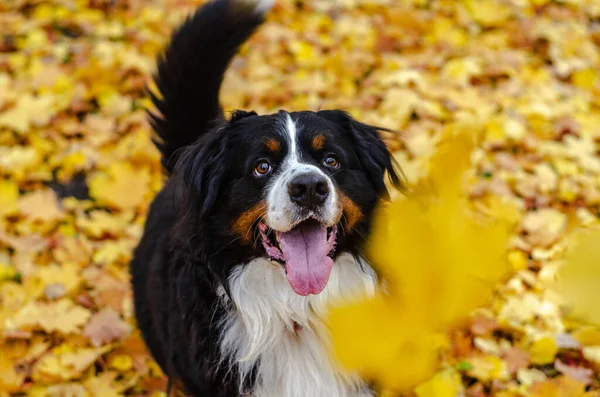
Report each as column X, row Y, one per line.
column 262, row 168
column 331, row 161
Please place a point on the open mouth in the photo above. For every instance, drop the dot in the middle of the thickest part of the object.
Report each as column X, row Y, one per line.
column 306, row 251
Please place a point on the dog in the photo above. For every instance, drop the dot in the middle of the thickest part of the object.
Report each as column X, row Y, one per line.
column 260, row 226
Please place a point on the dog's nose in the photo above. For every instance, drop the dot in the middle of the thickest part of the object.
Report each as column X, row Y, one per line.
column 309, row 190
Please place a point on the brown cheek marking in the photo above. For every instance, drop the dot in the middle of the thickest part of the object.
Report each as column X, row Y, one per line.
column 352, row 211
column 243, row 224
column 318, row 142
column 272, row 145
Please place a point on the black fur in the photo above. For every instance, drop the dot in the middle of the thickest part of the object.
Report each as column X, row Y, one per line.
column 189, row 248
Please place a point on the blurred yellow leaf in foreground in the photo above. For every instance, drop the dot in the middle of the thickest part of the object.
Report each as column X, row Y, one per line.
column 577, row 279
column 439, row 261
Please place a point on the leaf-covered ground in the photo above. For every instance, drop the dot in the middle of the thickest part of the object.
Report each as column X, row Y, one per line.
column 78, row 169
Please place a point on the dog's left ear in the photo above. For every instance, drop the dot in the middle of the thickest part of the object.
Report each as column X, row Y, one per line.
column 203, row 167
column 373, row 155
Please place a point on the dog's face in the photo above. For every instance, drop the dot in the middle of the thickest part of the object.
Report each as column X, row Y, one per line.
column 294, row 187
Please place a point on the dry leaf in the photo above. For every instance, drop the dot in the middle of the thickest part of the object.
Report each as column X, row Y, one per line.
column 62, row 316
column 106, row 326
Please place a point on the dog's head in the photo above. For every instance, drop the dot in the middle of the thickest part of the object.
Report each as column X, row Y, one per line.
column 297, row 188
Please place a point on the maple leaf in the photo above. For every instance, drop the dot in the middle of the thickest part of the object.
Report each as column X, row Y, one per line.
column 10, row 380
column 106, row 326
column 103, row 385
column 41, row 205
column 560, row 387
column 64, row 390
column 454, row 260
column 81, row 359
column 62, row 316
column 543, row 350
column 488, row 13
column 446, row 383
column 67, row 276
column 9, row 194
column 99, row 223
column 122, row 186
column 579, row 374
column 27, row 111
column 576, row 280
column 112, row 251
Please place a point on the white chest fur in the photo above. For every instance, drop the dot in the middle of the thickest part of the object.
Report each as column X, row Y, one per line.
column 261, row 330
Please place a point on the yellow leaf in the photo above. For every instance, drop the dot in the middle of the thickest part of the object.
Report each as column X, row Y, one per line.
column 10, row 380
column 27, row 111
column 67, row 275
column 113, row 251
column 7, row 272
column 18, row 159
column 9, row 195
column 122, row 362
column 49, row 369
column 81, row 359
column 577, row 279
column 588, row 335
column 122, row 186
column 439, row 262
column 592, row 353
column 488, row 13
column 447, row 383
column 99, row 223
column 65, row 389
column 518, row 259
column 543, row 350
column 488, row 368
column 103, row 385
column 560, row 387
column 41, row 205
column 585, row 78
column 62, row 316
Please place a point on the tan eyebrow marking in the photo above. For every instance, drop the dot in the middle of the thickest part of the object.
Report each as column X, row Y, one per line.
column 272, row 145
column 318, row 142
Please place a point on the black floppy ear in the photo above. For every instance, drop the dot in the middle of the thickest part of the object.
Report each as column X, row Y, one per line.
column 203, row 167
column 374, row 157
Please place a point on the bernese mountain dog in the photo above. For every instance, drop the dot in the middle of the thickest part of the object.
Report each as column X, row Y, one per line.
column 260, row 226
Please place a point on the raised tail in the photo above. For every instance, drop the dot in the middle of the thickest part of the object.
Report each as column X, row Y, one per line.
column 190, row 73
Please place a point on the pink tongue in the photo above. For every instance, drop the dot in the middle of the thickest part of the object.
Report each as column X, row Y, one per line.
column 305, row 250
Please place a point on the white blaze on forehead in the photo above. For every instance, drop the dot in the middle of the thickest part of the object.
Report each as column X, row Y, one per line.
column 291, row 136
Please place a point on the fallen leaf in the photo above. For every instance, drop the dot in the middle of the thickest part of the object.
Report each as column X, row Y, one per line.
column 580, row 374
column 444, row 384
column 62, row 316
column 28, row 110
column 122, row 186
column 560, row 387
column 41, row 205
column 106, row 326
column 543, row 350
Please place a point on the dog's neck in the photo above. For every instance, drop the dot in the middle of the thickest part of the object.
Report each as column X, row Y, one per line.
column 281, row 335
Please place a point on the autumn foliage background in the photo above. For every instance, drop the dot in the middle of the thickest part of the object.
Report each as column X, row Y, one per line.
column 78, row 171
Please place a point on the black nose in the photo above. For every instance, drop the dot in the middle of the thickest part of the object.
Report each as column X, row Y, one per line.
column 309, row 190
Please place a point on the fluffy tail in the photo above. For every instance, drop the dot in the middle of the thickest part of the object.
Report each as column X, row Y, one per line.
column 191, row 71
